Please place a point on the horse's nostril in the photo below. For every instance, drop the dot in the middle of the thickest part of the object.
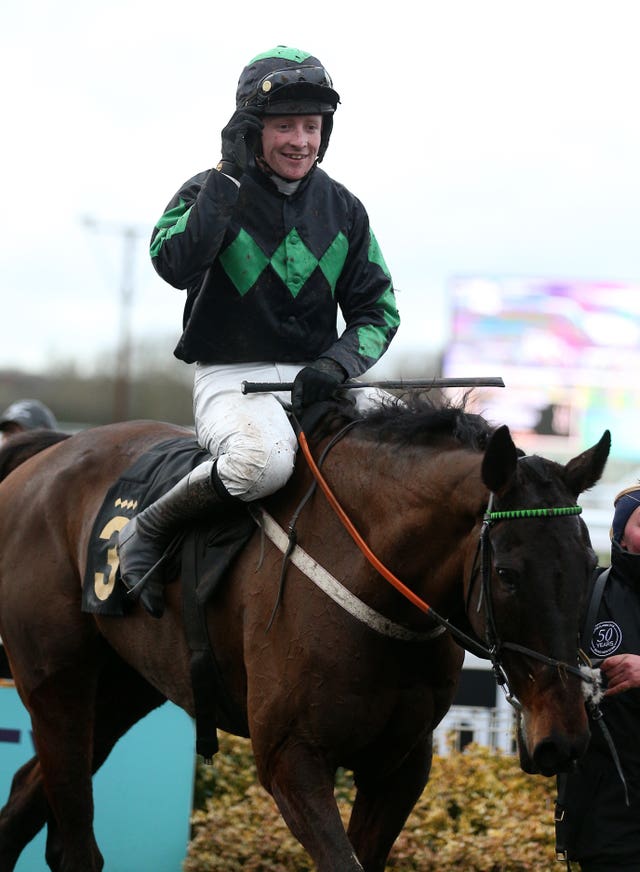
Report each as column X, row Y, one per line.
column 547, row 757
column 551, row 756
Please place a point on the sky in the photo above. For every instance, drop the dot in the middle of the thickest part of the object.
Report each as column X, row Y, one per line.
column 484, row 137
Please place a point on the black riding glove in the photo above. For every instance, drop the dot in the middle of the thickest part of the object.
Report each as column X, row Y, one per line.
column 315, row 383
column 239, row 139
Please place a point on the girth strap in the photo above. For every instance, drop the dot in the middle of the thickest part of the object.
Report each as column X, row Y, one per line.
column 206, row 558
column 204, row 668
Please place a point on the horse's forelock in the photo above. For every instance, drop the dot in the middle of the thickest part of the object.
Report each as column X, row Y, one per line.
column 541, row 479
column 541, row 470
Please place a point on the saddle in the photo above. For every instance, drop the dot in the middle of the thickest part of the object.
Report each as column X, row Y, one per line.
column 202, row 556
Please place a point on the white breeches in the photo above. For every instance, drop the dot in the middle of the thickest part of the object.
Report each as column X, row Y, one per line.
column 250, row 434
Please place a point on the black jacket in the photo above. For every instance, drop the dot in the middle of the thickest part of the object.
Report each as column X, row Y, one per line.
column 265, row 272
column 599, row 824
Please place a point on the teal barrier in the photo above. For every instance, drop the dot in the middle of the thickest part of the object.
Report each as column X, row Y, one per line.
column 142, row 794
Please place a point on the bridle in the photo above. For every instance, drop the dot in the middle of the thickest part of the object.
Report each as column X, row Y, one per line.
column 494, row 647
column 484, row 551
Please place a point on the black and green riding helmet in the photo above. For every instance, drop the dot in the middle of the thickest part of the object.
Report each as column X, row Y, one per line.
column 288, row 81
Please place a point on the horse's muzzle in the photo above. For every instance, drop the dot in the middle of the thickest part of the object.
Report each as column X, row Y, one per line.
column 554, row 753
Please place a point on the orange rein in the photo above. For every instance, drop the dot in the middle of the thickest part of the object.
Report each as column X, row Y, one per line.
column 357, row 538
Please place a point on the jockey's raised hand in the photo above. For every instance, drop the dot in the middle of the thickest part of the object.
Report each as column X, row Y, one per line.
column 238, row 141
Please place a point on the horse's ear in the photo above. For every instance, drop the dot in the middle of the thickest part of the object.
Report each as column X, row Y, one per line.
column 585, row 470
column 500, row 460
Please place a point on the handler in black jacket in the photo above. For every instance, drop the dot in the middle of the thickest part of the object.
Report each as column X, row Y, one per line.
column 602, row 831
column 269, row 248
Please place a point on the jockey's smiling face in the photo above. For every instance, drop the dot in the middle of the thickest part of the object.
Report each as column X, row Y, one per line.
column 290, row 144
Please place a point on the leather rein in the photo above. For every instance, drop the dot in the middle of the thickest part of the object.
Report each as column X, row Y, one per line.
column 494, row 646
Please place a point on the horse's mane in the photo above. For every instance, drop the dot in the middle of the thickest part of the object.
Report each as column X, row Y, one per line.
column 414, row 419
column 22, row 446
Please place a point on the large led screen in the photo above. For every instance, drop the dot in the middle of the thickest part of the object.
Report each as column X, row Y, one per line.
column 568, row 351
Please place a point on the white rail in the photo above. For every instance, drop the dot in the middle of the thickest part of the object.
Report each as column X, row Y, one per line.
column 492, row 727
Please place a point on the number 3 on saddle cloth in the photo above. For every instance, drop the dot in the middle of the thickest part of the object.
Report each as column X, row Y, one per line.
column 206, row 550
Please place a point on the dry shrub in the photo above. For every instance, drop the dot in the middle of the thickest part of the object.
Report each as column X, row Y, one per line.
column 479, row 813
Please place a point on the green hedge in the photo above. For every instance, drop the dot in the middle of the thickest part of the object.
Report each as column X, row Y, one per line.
column 479, row 813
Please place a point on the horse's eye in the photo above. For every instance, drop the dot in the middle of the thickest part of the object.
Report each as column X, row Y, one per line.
column 508, row 577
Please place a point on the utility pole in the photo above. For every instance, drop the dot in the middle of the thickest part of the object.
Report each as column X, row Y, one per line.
column 122, row 378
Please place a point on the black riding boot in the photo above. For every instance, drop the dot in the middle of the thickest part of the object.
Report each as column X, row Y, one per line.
column 143, row 541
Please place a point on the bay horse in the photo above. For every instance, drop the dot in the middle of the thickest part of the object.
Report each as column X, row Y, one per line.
column 488, row 544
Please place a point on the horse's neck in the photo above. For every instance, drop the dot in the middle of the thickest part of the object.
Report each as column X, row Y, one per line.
column 414, row 508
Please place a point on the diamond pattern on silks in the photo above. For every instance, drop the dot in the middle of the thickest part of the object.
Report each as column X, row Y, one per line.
column 243, row 261
column 332, row 261
column 293, row 262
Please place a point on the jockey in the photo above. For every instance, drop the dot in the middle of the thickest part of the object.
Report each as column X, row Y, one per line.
column 268, row 247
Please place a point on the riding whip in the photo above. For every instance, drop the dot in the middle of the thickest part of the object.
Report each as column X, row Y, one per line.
column 394, row 384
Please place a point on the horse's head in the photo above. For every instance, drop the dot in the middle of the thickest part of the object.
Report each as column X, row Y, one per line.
column 529, row 589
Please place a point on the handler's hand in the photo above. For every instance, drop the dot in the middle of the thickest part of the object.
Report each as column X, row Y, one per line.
column 316, row 382
column 622, row 672
column 238, row 141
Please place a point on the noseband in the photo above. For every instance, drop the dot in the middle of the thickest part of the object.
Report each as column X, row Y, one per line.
column 494, row 645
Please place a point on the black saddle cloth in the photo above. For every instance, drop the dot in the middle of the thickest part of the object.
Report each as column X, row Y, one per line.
column 211, row 546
